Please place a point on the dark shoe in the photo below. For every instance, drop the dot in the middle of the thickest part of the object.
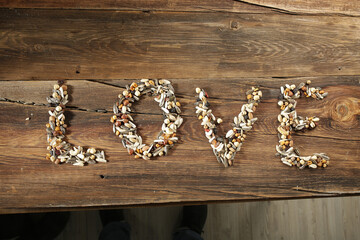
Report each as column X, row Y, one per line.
column 194, row 217
column 115, row 215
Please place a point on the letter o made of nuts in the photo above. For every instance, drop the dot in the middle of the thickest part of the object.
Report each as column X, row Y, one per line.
column 125, row 128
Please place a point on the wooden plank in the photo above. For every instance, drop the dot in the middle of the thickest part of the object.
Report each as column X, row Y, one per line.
column 74, row 44
column 142, row 5
column 190, row 173
column 351, row 7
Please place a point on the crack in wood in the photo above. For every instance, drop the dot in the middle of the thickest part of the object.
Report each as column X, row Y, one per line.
column 75, row 108
column 285, row 11
column 278, row 10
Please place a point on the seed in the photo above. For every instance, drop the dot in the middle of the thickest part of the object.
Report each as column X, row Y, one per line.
column 312, row 166
column 56, row 86
column 58, row 108
column 257, row 97
column 92, row 150
column 123, row 109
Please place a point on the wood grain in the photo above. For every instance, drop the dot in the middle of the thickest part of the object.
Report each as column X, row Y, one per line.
column 350, row 7
column 72, row 44
column 190, row 173
column 315, row 7
column 142, row 5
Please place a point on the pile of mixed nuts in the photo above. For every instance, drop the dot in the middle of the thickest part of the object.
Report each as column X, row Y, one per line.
column 290, row 121
column 60, row 150
column 225, row 148
column 125, row 128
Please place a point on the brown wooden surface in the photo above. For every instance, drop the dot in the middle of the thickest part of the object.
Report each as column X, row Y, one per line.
column 99, row 52
column 350, row 7
column 73, row 44
column 338, row 7
column 142, row 5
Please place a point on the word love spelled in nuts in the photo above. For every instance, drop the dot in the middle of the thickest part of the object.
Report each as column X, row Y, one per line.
column 224, row 147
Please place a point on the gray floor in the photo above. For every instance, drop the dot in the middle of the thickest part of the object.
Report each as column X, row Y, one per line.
column 326, row 218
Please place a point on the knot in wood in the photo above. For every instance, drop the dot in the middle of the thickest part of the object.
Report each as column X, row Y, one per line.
column 234, row 25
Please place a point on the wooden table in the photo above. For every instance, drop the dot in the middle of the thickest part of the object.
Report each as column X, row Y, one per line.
column 223, row 46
